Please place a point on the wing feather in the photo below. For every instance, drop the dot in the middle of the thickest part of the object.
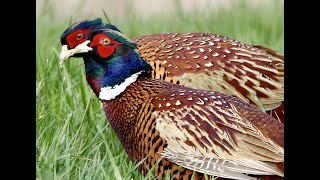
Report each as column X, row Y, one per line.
column 211, row 128
column 218, row 63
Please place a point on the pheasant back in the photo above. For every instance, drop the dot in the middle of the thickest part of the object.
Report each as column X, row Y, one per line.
column 207, row 61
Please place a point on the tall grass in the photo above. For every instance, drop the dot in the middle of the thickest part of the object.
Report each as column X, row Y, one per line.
column 74, row 139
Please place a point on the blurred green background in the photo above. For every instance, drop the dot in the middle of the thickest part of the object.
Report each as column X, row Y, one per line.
column 74, row 139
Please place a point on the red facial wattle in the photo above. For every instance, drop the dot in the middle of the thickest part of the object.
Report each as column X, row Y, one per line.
column 104, row 50
column 72, row 38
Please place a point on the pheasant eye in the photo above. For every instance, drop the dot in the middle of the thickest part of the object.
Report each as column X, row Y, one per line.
column 106, row 41
column 79, row 36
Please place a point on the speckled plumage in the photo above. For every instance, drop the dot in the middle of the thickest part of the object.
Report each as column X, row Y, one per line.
column 208, row 61
column 208, row 132
column 221, row 126
column 213, row 62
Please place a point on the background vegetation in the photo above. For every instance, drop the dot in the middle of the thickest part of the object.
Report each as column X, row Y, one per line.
column 74, row 139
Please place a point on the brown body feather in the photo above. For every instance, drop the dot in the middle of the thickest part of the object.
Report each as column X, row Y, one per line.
column 202, row 131
column 217, row 63
column 137, row 116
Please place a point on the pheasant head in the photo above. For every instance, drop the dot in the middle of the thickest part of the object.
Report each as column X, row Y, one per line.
column 111, row 60
column 115, row 63
column 75, row 38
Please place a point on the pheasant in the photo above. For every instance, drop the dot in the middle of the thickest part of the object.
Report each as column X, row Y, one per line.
column 158, row 121
column 206, row 61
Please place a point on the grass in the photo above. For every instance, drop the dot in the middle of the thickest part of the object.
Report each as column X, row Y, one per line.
column 74, row 139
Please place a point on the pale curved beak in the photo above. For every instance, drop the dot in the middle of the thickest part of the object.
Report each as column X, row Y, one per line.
column 81, row 48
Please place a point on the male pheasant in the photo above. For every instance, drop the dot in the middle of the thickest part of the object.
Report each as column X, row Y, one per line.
column 205, row 61
column 203, row 131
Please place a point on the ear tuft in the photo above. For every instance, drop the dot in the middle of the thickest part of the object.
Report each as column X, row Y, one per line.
column 97, row 21
column 117, row 36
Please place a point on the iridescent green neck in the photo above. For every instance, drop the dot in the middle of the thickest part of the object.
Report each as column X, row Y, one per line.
column 111, row 76
column 93, row 68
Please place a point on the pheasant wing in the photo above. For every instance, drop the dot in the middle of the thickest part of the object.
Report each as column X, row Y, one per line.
column 213, row 62
column 217, row 134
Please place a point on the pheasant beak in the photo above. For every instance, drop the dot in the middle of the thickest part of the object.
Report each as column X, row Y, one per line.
column 66, row 53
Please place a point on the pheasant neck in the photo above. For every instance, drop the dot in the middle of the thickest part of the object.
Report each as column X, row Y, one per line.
column 94, row 72
column 109, row 78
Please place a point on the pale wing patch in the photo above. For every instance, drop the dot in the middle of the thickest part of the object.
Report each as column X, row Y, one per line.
column 188, row 141
column 265, row 166
column 216, row 82
column 170, row 130
column 211, row 166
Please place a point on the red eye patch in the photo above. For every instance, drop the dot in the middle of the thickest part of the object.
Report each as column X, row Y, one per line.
column 72, row 38
column 104, row 50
